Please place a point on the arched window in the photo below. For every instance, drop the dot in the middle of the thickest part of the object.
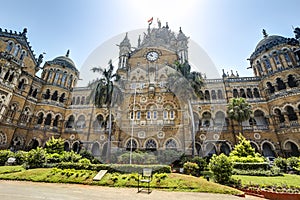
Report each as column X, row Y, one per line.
column 292, row 81
column 213, row 95
column 151, row 145
column 78, row 101
column 260, row 118
column 70, row 81
column 50, row 75
column 62, row 97
column 225, row 149
column 267, row 64
column 279, row 116
column 171, row 144
column 235, row 93
column 17, row 49
column 23, row 54
column 40, row 118
column 220, row 94
column 48, row 120
column 12, row 111
column 82, row 100
column 249, row 93
column 80, row 122
column 3, row 138
column 206, row 95
column 291, row 113
column 96, row 149
column 63, row 79
column 242, row 93
column 99, row 123
column 220, row 118
column 131, row 145
column 54, row 96
column 280, row 84
column 25, row 115
column 9, row 46
column 287, row 57
column 73, row 101
column 47, row 94
column 55, row 122
column 70, row 122
column 21, row 84
column 206, row 117
column 56, row 77
column 270, row 87
column 11, row 77
column 256, row 93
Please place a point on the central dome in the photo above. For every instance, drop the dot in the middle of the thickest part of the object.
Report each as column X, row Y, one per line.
column 64, row 61
column 270, row 41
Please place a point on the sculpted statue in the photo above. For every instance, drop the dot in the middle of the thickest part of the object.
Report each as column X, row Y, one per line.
column 297, row 32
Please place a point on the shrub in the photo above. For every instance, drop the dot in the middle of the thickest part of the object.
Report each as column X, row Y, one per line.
column 55, row 145
column 21, row 157
column 84, row 161
column 221, row 166
column 190, row 168
column 281, row 163
column 70, row 156
column 36, row 158
column 53, row 158
column 4, row 155
column 244, row 152
column 274, row 171
column 293, row 162
column 137, row 157
column 251, row 166
column 168, row 156
column 201, row 162
column 86, row 154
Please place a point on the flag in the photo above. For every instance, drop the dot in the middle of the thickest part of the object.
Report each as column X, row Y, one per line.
column 150, row 21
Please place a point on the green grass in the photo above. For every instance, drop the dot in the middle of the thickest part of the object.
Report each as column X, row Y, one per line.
column 173, row 182
column 10, row 169
column 286, row 179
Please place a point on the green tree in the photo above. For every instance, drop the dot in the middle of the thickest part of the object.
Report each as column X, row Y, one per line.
column 244, row 152
column 238, row 110
column 36, row 158
column 222, row 168
column 55, row 145
column 105, row 93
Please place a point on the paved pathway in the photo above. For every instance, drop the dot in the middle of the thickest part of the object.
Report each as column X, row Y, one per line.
column 19, row 190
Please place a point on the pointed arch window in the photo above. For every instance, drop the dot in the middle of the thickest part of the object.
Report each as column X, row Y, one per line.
column 40, row 118
column 17, row 49
column 280, row 84
column 9, row 46
column 292, row 81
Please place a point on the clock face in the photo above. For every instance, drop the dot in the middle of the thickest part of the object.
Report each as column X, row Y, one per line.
column 152, row 56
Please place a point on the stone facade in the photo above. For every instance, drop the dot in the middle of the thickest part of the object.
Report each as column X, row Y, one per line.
column 155, row 113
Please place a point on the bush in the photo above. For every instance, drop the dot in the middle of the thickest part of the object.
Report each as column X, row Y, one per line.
column 55, row 145
column 169, row 156
column 281, row 163
column 4, row 155
column 21, row 157
column 84, row 161
column 137, row 157
column 201, row 162
column 251, row 166
column 221, row 166
column 190, row 168
column 293, row 162
column 274, row 171
column 70, row 156
column 86, row 154
column 53, row 158
column 36, row 158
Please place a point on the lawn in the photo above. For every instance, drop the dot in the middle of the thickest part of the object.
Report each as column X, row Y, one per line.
column 173, row 182
column 286, row 179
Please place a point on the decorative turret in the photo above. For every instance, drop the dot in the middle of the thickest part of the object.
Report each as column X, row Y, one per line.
column 182, row 45
column 124, row 51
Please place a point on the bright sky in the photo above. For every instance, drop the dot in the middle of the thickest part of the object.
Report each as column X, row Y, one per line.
column 228, row 30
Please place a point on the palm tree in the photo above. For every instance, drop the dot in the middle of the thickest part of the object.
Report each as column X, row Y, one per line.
column 238, row 109
column 193, row 81
column 104, row 92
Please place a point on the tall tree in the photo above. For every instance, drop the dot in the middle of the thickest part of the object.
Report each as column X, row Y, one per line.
column 104, row 92
column 239, row 110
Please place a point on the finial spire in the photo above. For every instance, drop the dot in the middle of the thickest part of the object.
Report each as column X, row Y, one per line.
column 68, row 53
column 180, row 29
column 265, row 33
column 24, row 31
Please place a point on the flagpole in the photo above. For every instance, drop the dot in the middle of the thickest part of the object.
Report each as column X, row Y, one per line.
column 133, row 116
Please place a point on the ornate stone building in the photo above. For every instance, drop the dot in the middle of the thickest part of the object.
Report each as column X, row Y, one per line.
column 155, row 111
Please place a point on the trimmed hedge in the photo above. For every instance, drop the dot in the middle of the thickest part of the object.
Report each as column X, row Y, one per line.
column 272, row 172
column 251, row 166
column 111, row 168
